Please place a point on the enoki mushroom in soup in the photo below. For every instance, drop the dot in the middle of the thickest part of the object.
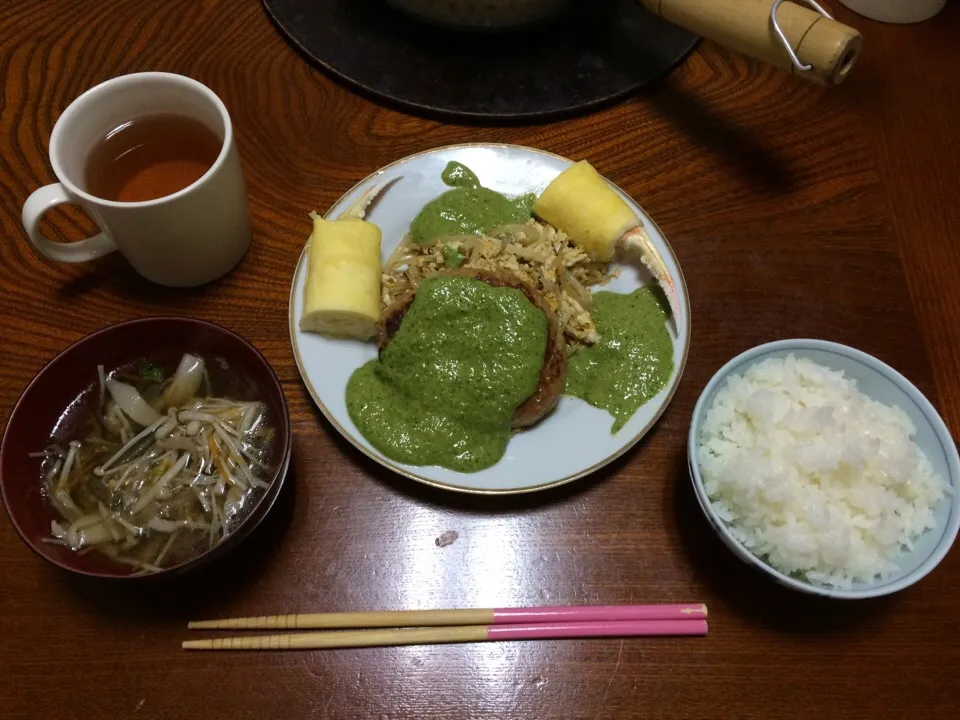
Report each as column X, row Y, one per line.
column 155, row 470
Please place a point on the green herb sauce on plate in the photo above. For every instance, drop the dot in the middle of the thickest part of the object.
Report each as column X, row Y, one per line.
column 633, row 360
column 467, row 209
column 444, row 390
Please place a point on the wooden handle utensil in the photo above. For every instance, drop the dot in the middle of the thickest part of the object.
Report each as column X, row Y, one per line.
column 479, row 616
column 454, row 634
column 824, row 50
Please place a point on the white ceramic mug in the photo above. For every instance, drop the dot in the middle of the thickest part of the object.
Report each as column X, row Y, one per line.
column 188, row 238
column 897, row 11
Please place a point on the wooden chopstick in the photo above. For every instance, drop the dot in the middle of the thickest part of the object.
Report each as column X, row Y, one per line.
column 433, row 618
column 452, row 634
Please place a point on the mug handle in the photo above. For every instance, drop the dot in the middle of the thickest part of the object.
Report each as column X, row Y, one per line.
column 36, row 205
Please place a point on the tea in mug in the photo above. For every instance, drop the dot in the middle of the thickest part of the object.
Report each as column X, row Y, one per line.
column 150, row 157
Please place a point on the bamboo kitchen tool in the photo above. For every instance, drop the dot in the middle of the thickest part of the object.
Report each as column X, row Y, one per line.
column 479, row 616
column 452, row 634
column 799, row 37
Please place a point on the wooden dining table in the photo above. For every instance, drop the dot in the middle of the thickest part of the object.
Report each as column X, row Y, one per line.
column 795, row 211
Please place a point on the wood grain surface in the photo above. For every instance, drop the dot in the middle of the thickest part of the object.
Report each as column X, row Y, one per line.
column 794, row 211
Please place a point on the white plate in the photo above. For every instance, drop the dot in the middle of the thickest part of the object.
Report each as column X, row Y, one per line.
column 574, row 440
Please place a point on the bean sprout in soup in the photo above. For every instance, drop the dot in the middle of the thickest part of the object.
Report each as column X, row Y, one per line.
column 152, row 468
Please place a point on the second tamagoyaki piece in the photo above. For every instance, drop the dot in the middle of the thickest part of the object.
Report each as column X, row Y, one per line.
column 342, row 293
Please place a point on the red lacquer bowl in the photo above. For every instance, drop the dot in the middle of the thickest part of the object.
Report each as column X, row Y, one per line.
column 74, row 371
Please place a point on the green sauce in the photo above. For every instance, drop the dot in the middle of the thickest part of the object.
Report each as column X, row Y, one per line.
column 633, row 360
column 445, row 388
column 467, row 209
column 459, row 175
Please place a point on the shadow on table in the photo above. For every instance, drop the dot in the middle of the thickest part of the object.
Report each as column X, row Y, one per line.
column 740, row 150
column 113, row 276
column 744, row 590
column 195, row 593
column 469, row 502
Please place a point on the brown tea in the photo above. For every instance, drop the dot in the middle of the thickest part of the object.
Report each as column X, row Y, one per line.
column 150, row 157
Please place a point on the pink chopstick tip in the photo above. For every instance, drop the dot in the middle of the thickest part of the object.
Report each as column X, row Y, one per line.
column 621, row 628
column 599, row 613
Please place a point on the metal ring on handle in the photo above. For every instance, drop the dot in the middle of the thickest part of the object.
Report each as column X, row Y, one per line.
column 783, row 38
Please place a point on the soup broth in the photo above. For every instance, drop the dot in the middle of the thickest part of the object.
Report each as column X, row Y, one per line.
column 153, row 468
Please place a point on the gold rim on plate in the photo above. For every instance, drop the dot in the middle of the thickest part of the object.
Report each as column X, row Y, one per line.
column 390, row 465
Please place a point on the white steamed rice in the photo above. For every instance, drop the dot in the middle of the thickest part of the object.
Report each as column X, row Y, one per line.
column 812, row 475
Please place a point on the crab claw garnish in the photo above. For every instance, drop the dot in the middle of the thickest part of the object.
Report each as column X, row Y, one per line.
column 358, row 210
column 637, row 241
